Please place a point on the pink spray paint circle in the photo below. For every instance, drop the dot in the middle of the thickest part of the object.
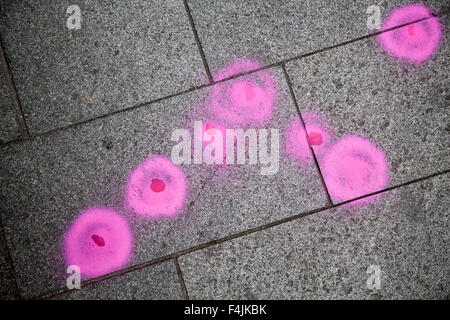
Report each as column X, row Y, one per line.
column 243, row 101
column 298, row 141
column 415, row 42
column 354, row 167
column 99, row 241
column 156, row 188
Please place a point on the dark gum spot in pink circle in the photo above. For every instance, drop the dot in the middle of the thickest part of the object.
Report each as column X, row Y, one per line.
column 157, row 185
column 411, row 30
column 314, row 139
column 210, row 126
column 249, row 91
column 98, row 240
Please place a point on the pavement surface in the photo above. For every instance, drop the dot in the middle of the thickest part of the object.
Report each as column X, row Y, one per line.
column 82, row 108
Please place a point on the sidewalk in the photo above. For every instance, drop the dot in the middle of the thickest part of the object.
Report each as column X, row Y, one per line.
column 80, row 109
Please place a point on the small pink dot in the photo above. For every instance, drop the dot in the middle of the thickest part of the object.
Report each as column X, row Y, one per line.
column 314, row 139
column 210, row 126
column 411, row 30
column 249, row 91
column 98, row 240
column 157, row 185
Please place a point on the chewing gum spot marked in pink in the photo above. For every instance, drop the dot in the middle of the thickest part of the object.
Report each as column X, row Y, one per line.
column 314, row 139
column 298, row 141
column 166, row 194
column 239, row 66
column 243, row 102
column 157, row 185
column 354, row 167
column 416, row 42
column 210, row 126
column 99, row 241
column 213, row 129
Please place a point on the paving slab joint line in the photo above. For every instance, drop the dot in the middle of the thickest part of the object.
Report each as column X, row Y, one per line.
column 131, row 268
column 233, row 236
column 106, row 115
column 175, row 94
column 13, row 94
column 104, row 277
column 180, row 276
column 316, row 163
column 192, row 202
column 197, row 40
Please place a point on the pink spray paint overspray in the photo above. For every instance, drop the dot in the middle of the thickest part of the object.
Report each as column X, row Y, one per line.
column 213, row 129
column 354, row 167
column 415, row 42
column 249, row 101
column 156, row 188
column 298, row 141
column 99, row 241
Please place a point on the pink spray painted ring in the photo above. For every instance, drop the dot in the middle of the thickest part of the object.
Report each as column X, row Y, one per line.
column 243, row 101
column 99, row 241
column 156, row 188
column 415, row 42
column 354, row 167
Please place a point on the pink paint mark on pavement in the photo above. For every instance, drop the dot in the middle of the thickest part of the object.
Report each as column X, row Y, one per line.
column 411, row 30
column 213, row 129
column 99, row 241
column 156, row 188
column 317, row 135
column 314, row 138
column 354, row 167
column 416, row 42
column 243, row 101
column 157, row 185
column 210, row 126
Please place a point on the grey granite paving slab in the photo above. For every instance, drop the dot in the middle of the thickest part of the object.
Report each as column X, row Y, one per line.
column 401, row 107
column 9, row 125
column 327, row 255
column 276, row 30
column 5, row 277
column 47, row 181
column 125, row 53
column 157, row 282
